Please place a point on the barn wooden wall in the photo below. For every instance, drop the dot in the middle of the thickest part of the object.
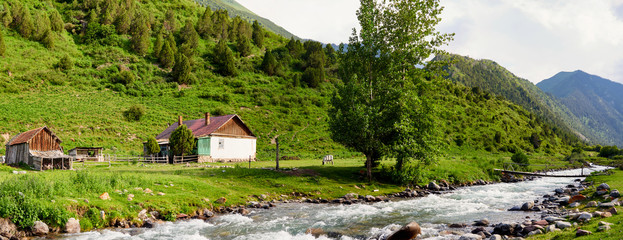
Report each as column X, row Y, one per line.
column 44, row 141
column 17, row 153
column 234, row 127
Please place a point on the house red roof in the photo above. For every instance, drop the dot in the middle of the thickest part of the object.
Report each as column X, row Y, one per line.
column 199, row 127
column 26, row 136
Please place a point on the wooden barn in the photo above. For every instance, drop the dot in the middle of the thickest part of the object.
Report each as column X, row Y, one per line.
column 87, row 153
column 219, row 139
column 40, row 148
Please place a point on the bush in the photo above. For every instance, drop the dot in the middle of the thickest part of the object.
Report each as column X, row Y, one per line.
column 124, row 77
column 521, row 159
column 134, row 113
column 65, row 63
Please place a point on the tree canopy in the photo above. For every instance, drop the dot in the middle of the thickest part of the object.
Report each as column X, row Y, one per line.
column 182, row 141
column 382, row 108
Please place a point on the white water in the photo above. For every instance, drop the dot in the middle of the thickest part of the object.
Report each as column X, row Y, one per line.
column 358, row 221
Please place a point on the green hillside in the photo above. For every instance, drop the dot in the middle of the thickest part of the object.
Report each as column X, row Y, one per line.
column 598, row 102
column 488, row 76
column 97, row 68
column 235, row 9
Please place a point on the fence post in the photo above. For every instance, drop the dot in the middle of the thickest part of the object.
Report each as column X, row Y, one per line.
column 249, row 161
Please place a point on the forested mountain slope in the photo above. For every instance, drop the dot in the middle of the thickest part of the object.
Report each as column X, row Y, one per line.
column 488, row 76
column 598, row 102
column 112, row 73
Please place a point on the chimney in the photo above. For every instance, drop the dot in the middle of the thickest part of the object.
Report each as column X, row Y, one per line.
column 207, row 116
column 179, row 122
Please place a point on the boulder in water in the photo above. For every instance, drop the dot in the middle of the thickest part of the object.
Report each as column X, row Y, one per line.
column 470, row 236
column 40, row 228
column 408, row 232
column 72, row 226
column 563, row 225
column 316, row 232
column 433, row 186
column 527, row 206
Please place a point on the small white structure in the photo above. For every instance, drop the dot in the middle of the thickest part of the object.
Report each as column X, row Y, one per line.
column 222, row 138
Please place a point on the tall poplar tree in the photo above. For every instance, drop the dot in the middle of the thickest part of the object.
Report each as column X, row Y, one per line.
column 382, row 108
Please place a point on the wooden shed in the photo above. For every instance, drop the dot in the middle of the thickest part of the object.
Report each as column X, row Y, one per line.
column 40, row 148
column 87, row 153
column 221, row 138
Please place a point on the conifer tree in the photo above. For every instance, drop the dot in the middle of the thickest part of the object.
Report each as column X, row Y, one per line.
column 26, row 26
column 224, row 59
column 158, row 44
column 182, row 70
column 6, row 16
column 152, row 146
column 48, row 39
column 56, row 21
column 220, row 24
column 167, row 56
column 269, row 63
column 182, row 140
column 170, row 22
column 189, row 36
column 2, row 46
column 243, row 45
column 42, row 25
column 204, row 24
column 140, row 34
column 108, row 12
column 124, row 21
column 258, row 35
column 294, row 47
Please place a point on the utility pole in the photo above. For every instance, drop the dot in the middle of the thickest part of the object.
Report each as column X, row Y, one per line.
column 277, row 160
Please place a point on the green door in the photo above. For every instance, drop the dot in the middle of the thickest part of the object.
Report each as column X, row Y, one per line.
column 203, row 146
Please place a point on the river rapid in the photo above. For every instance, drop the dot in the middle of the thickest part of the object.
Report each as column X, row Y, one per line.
column 358, row 221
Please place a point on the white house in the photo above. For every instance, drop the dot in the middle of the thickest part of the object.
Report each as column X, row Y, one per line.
column 222, row 138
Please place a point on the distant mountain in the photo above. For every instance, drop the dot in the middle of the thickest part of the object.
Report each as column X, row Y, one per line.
column 488, row 76
column 597, row 101
column 236, row 9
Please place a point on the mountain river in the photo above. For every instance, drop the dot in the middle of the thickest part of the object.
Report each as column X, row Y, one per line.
column 358, row 221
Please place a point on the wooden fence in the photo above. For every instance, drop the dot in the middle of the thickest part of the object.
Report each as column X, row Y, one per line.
column 185, row 159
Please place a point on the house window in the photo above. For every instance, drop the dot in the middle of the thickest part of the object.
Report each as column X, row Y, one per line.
column 221, row 144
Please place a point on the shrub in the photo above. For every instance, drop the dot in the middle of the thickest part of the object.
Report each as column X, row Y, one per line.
column 134, row 113
column 65, row 63
column 124, row 77
column 521, row 159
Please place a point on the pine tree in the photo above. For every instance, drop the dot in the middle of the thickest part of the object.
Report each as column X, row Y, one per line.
column 182, row 141
column 56, row 21
column 158, row 44
column 26, row 26
column 258, row 34
column 2, row 46
column 182, row 70
column 140, row 34
column 170, row 22
column 189, row 36
column 220, row 24
column 124, row 21
column 42, row 25
column 167, row 56
column 109, row 9
column 6, row 17
column 48, row 39
column 294, row 47
column 204, row 24
column 243, row 45
column 224, row 59
column 152, row 146
column 269, row 63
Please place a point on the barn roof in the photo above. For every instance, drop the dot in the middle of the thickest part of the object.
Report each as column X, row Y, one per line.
column 199, row 127
column 26, row 136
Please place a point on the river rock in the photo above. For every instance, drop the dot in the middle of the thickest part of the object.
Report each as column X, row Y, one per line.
column 105, row 196
column 503, row 229
column 350, row 196
column 559, row 190
column 207, row 213
column 243, row 211
column 541, row 223
column 535, row 232
column 470, row 236
column 601, row 192
column 316, row 232
column 563, row 225
column 550, row 228
column 552, row 219
column 603, row 228
column 606, row 214
column 581, row 232
column 613, row 210
column 574, row 204
column 408, row 232
column 515, row 208
column 527, row 206
column 433, row 186
column 72, row 226
column 591, row 204
column 40, row 228
column 496, row 237
column 221, row 200
column 457, row 225
column 7, row 228
column 148, row 224
column 606, row 205
column 603, row 186
column 483, row 222
column 577, row 198
column 142, row 214
column 584, row 217
column 615, row 194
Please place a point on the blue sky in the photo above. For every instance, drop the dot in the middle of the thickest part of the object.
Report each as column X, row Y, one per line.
column 534, row 39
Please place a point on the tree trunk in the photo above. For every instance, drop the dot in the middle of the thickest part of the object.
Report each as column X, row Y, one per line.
column 369, row 166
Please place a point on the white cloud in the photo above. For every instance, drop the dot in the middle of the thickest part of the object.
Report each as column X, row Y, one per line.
column 534, row 39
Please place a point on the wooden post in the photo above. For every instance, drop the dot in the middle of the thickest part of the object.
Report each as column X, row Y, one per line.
column 277, row 160
column 249, row 161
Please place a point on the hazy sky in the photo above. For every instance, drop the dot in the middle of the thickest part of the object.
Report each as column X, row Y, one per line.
column 534, row 39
